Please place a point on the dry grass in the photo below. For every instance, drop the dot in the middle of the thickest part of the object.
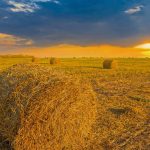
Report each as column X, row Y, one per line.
column 124, row 121
column 43, row 109
column 110, row 64
column 123, row 95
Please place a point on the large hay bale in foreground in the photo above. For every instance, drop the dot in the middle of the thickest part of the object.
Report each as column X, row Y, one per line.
column 41, row 109
column 54, row 61
column 110, row 64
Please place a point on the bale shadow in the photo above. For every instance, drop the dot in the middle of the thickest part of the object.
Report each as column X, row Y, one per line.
column 119, row 111
column 5, row 144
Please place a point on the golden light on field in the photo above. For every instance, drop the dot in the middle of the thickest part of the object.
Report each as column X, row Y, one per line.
column 66, row 50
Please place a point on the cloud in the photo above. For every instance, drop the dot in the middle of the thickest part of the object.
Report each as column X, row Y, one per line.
column 78, row 21
column 53, row 1
column 11, row 40
column 28, row 6
column 134, row 10
column 4, row 18
column 22, row 7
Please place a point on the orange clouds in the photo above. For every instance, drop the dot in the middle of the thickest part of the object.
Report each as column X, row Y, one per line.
column 6, row 39
column 10, row 44
column 11, row 40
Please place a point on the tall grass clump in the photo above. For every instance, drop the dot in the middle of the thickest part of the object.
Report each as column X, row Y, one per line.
column 110, row 64
column 44, row 109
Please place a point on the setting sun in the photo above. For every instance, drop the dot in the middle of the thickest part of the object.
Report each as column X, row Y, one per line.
column 144, row 46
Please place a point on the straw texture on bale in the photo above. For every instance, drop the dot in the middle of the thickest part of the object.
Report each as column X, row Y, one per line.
column 110, row 64
column 41, row 109
column 54, row 61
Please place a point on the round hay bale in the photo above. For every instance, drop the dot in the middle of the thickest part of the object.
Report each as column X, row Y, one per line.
column 54, row 61
column 43, row 109
column 33, row 59
column 110, row 64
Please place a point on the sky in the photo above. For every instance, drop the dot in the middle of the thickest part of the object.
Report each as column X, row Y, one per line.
column 66, row 28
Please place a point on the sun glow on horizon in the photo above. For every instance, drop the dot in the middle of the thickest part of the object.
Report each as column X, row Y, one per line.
column 70, row 50
column 144, row 46
column 66, row 50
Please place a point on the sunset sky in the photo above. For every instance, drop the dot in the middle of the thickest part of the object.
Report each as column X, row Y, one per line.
column 67, row 28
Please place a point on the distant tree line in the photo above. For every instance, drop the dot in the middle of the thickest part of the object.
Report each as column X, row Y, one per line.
column 16, row 56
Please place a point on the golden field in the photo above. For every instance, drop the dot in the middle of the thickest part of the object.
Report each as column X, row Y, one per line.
column 121, row 102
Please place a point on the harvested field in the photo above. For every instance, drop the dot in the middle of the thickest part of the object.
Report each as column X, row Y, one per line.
column 123, row 95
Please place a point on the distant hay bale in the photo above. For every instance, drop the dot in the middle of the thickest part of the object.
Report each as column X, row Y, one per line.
column 110, row 64
column 54, row 61
column 41, row 109
column 33, row 59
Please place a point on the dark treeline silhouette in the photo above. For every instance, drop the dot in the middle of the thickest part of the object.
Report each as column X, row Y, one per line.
column 16, row 56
